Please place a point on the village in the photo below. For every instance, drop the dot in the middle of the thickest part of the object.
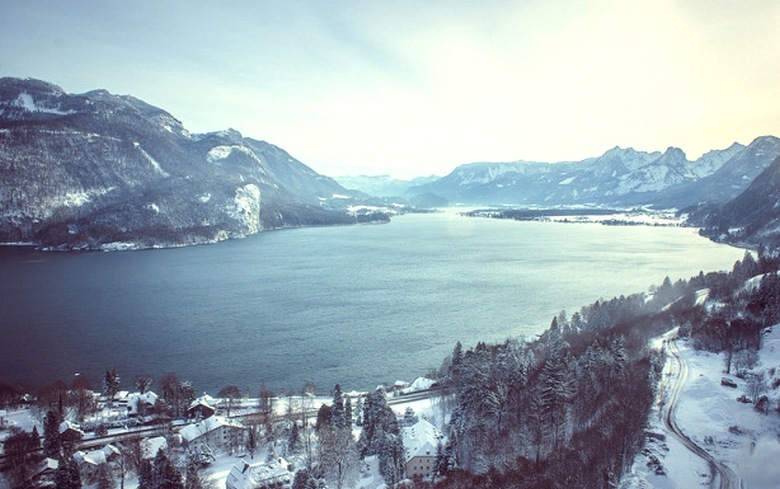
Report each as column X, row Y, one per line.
column 125, row 439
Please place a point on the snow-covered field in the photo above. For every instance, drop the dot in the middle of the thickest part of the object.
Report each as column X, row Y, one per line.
column 708, row 413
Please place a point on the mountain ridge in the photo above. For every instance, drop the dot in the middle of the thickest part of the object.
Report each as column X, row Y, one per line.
column 620, row 176
column 104, row 171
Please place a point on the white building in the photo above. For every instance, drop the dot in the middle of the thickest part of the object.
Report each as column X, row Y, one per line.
column 420, row 447
column 214, row 433
column 260, row 475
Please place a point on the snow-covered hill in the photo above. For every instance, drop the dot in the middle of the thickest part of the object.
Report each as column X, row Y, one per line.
column 98, row 170
column 733, row 433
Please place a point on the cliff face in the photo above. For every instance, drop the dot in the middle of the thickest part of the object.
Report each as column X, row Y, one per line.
column 97, row 170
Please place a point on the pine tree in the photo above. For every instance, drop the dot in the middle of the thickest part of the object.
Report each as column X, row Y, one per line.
column 146, row 475
column 67, row 475
column 193, row 479
column 294, row 439
column 52, row 443
column 111, row 384
column 337, row 407
column 304, row 480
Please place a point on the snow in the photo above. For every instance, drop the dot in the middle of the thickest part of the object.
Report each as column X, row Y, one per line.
column 340, row 196
column 421, row 439
column 566, row 181
column 708, row 413
column 701, row 296
column 193, row 431
column 246, row 208
column 150, row 446
column 155, row 165
column 244, row 475
column 219, row 153
column 26, row 102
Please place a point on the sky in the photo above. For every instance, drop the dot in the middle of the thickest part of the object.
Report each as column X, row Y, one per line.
column 413, row 88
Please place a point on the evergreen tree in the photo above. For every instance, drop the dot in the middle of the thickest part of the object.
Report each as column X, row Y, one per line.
column 111, row 384
column 164, row 473
column 337, row 407
column 294, row 439
column 52, row 444
column 19, row 450
column 104, row 478
column 324, row 417
column 146, row 475
column 193, row 479
column 304, row 480
column 348, row 413
column 67, row 475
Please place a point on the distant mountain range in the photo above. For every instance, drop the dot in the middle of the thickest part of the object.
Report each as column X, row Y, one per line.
column 98, row 170
column 619, row 177
column 383, row 185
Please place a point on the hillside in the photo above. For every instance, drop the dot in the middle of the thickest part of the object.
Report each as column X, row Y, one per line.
column 98, row 170
column 752, row 218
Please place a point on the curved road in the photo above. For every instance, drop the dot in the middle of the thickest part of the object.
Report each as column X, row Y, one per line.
column 725, row 477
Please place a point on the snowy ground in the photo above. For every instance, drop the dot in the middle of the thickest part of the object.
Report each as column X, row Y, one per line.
column 732, row 432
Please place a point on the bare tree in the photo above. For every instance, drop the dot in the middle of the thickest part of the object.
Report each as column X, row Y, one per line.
column 229, row 393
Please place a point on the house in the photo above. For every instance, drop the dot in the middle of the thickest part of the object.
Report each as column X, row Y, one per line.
column 261, row 475
column 45, row 472
column 140, row 404
column 70, row 433
column 214, row 433
column 202, row 407
column 420, row 448
column 90, row 461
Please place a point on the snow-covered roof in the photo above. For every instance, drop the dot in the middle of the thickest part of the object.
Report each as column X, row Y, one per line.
column 204, row 400
column 92, row 457
column 421, row 439
column 248, row 476
column 49, row 464
column 135, row 398
column 67, row 425
column 193, row 431
column 150, row 446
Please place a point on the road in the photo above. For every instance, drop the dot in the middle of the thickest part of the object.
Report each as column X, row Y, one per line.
column 723, row 476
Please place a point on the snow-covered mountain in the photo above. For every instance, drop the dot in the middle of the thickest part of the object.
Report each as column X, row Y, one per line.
column 621, row 176
column 99, row 170
column 752, row 218
column 382, row 185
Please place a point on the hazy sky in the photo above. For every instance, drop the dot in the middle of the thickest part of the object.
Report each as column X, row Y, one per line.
column 417, row 87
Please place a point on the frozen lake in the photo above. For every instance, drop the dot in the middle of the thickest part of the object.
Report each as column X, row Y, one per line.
column 359, row 305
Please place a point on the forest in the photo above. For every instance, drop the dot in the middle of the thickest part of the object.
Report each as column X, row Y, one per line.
column 570, row 409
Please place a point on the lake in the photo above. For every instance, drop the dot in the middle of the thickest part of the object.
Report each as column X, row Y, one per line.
column 359, row 305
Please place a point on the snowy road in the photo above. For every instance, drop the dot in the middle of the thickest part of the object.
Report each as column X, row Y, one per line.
column 723, row 476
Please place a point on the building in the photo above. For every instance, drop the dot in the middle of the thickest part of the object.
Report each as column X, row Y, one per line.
column 70, row 433
column 202, row 407
column 90, row 461
column 261, row 475
column 420, row 448
column 214, row 433
column 140, row 404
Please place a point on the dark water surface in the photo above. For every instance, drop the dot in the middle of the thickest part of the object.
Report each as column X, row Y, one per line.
column 358, row 305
